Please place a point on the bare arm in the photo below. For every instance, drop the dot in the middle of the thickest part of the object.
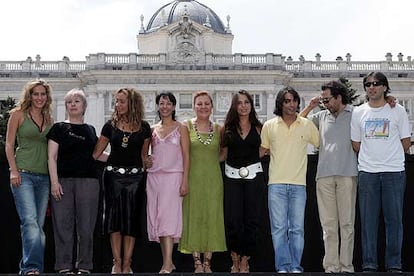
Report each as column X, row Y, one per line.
column 185, row 148
column 223, row 150
column 15, row 120
column 263, row 152
column 356, row 146
column 406, row 143
column 52, row 152
column 100, row 147
column 145, row 150
column 314, row 102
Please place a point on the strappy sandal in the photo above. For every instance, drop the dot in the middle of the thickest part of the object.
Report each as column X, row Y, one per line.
column 244, row 264
column 117, row 267
column 126, row 267
column 236, row 262
column 164, row 271
column 197, row 263
column 207, row 265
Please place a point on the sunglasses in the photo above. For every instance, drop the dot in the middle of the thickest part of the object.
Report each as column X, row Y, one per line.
column 374, row 83
column 325, row 100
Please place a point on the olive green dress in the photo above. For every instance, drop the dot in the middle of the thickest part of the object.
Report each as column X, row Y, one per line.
column 203, row 220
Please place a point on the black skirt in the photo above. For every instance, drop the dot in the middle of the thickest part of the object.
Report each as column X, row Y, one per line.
column 124, row 203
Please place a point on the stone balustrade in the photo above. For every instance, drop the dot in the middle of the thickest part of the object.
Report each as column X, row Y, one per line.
column 133, row 61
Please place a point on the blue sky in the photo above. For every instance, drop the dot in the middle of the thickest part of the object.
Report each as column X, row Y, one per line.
column 367, row 29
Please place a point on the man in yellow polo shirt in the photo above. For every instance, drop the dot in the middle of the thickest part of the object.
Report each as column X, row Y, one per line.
column 287, row 136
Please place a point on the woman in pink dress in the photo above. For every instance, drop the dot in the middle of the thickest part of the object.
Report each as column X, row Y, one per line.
column 167, row 180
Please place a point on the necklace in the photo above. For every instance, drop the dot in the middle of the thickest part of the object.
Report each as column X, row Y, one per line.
column 209, row 137
column 125, row 139
column 33, row 120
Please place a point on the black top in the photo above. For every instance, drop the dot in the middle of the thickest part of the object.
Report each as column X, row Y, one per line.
column 242, row 153
column 126, row 146
column 76, row 144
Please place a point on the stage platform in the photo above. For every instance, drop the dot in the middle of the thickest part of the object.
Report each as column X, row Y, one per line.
column 252, row 273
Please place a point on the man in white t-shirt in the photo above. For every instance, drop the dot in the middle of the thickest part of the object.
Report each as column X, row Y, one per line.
column 380, row 135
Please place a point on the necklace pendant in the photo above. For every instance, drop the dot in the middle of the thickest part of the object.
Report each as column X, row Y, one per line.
column 124, row 143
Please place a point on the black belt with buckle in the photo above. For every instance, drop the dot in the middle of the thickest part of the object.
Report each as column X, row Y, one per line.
column 124, row 170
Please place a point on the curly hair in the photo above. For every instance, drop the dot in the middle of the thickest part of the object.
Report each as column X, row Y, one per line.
column 135, row 108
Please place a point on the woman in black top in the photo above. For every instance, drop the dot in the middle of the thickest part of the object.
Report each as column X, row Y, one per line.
column 129, row 137
column 74, row 186
column 243, row 181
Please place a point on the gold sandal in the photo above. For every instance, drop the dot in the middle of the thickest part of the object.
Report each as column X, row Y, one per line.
column 236, row 262
column 207, row 263
column 197, row 263
column 244, row 264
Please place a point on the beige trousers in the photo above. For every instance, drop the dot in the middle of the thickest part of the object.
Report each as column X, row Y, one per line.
column 336, row 197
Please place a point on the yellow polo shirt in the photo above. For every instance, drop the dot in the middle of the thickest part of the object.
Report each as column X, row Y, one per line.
column 288, row 149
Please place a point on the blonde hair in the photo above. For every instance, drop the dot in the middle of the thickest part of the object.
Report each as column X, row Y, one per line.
column 76, row 92
column 25, row 101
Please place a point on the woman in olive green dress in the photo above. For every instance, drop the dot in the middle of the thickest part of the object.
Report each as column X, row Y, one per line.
column 203, row 221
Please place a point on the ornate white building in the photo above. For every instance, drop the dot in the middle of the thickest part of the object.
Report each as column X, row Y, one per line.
column 185, row 47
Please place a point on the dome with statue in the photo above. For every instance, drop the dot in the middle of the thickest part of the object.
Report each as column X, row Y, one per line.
column 173, row 11
column 185, row 30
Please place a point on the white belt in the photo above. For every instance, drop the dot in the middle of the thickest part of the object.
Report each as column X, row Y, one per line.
column 122, row 170
column 248, row 172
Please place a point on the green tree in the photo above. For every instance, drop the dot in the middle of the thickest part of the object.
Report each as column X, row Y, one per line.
column 352, row 92
column 5, row 107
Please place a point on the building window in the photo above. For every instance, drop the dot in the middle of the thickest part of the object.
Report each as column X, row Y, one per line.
column 186, row 101
column 257, row 101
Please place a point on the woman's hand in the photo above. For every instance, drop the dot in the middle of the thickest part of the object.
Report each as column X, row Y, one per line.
column 184, row 189
column 148, row 162
column 15, row 179
column 56, row 191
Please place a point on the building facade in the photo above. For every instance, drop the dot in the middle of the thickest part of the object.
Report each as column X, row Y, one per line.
column 184, row 48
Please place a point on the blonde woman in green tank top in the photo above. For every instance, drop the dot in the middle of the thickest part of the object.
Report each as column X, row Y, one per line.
column 28, row 124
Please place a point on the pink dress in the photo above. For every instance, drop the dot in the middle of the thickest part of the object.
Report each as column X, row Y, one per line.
column 164, row 203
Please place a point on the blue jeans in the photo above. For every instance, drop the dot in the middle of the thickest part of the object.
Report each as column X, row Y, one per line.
column 386, row 190
column 287, row 213
column 31, row 199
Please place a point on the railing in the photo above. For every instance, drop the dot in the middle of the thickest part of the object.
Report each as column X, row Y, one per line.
column 11, row 66
column 117, row 59
column 134, row 61
column 254, row 59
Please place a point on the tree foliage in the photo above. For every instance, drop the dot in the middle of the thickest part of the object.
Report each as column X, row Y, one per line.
column 352, row 92
column 5, row 107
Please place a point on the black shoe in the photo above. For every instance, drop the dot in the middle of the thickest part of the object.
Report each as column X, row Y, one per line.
column 369, row 270
column 394, row 270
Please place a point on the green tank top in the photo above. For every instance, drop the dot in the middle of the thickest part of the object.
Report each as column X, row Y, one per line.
column 31, row 153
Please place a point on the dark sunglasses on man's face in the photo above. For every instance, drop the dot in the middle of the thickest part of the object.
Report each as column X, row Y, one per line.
column 374, row 83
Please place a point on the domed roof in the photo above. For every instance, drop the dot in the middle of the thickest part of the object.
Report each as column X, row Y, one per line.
column 173, row 11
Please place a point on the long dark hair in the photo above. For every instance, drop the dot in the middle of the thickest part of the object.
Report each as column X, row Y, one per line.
column 281, row 97
column 231, row 124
